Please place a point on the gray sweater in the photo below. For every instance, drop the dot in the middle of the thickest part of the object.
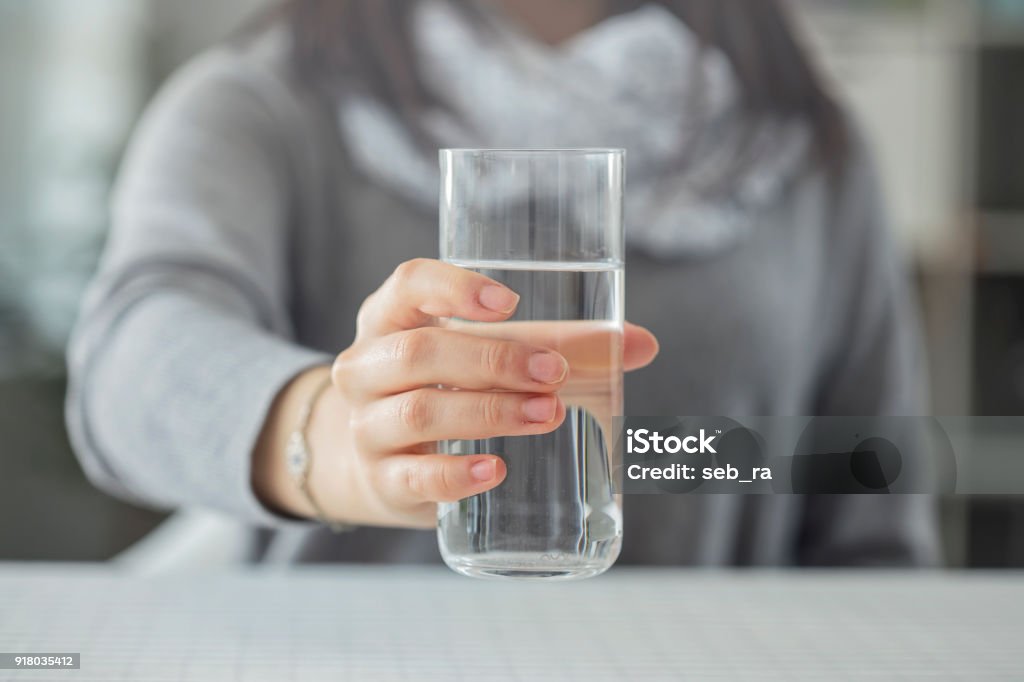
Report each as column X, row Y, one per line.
column 243, row 243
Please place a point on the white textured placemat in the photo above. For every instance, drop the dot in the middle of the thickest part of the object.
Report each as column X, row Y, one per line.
column 428, row 624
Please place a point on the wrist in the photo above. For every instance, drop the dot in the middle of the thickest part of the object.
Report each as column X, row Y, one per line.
column 271, row 479
column 331, row 484
column 301, row 460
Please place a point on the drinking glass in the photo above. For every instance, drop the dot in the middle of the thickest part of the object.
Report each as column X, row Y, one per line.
column 547, row 224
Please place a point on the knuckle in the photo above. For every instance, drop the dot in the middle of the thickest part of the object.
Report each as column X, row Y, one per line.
column 342, row 369
column 414, row 480
column 380, row 477
column 360, row 428
column 446, row 487
column 498, row 358
column 406, row 271
column 414, row 347
column 456, row 285
column 429, row 480
column 364, row 313
column 414, row 412
column 492, row 410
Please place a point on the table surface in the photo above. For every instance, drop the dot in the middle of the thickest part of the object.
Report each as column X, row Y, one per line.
column 378, row 623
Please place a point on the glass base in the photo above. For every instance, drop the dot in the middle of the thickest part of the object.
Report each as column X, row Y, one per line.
column 525, row 567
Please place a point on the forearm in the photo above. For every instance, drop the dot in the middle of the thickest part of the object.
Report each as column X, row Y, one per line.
column 166, row 404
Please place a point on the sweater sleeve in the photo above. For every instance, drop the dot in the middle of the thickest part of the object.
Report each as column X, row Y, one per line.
column 872, row 364
column 184, row 337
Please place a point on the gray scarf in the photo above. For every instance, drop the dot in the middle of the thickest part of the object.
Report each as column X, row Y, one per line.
column 628, row 82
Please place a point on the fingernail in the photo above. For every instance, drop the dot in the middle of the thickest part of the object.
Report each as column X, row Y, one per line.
column 548, row 368
column 499, row 299
column 484, row 470
column 539, row 410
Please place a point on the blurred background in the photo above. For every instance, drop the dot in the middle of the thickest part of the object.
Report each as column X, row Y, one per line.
column 938, row 85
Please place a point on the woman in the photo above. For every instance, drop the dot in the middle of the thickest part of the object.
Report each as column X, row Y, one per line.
column 279, row 200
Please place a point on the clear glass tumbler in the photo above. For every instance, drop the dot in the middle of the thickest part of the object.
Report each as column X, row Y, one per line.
column 548, row 224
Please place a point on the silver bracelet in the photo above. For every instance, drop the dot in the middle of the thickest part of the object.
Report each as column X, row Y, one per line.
column 300, row 459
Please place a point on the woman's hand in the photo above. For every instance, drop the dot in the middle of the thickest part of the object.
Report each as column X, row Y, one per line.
column 374, row 435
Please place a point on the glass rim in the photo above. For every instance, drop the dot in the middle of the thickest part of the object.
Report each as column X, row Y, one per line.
column 553, row 151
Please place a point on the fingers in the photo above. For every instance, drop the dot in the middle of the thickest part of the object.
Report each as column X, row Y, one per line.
column 422, row 289
column 428, row 356
column 414, row 479
column 400, row 422
column 641, row 347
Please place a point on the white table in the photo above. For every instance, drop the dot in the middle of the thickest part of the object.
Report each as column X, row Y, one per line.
column 344, row 623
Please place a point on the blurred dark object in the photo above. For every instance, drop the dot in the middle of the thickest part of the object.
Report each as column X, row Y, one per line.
column 1000, row 116
column 995, row 526
column 999, row 345
column 49, row 510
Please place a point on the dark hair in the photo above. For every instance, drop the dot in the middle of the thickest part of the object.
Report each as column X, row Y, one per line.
column 370, row 41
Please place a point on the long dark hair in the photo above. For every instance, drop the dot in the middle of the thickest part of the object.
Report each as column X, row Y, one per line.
column 370, row 41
